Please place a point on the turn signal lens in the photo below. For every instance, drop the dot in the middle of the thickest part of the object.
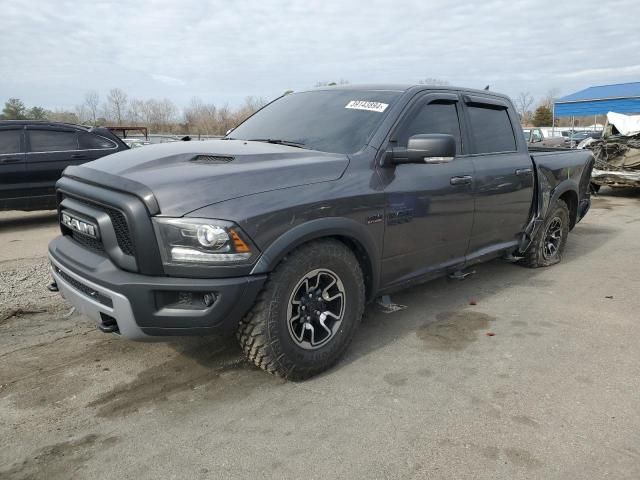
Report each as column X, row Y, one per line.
column 238, row 243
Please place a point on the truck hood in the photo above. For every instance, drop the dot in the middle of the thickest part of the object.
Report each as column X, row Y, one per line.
column 185, row 176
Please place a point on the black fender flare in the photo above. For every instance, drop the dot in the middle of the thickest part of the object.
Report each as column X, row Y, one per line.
column 568, row 185
column 320, row 228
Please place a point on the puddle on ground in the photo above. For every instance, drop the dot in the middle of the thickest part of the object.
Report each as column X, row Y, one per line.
column 454, row 330
column 61, row 460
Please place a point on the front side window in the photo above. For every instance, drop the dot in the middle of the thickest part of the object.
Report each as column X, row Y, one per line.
column 491, row 130
column 336, row 121
column 10, row 141
column 437, row 117
column 52, row 141
column 89, row 141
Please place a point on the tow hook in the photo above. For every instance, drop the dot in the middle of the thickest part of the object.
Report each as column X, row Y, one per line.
column 108, row 324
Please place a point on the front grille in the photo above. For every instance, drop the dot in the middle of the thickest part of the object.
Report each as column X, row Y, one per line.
column 122, row 230
column 90, row 292
column 88, row 242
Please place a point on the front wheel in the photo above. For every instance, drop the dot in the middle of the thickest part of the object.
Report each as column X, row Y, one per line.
column 549, row 243
column 307, row 313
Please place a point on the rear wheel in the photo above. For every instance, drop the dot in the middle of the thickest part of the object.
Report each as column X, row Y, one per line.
column 548, row 245
column 307, row 313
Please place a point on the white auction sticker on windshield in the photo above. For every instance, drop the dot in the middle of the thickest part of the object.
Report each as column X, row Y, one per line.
column 365, row 105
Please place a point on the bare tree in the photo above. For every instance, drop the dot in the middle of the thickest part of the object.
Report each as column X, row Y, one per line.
column 91, row 103
column 135, row 113
column 523, row 102
column 201, row 118
column 117, row 104
column 550, row 97
column 82, row 113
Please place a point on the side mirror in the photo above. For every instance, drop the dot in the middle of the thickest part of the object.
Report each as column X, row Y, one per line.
column 426, row 148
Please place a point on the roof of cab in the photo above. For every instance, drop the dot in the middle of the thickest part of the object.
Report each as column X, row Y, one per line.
column 405, row 88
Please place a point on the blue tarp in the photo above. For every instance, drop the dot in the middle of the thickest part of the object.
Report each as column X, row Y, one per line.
column 620, row 98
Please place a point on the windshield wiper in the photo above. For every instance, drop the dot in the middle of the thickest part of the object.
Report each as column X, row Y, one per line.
column 277, row 141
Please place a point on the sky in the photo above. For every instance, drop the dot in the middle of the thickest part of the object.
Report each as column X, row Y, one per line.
column 53, row 51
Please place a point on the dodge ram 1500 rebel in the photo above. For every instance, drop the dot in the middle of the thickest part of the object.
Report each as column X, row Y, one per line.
column 318, row 203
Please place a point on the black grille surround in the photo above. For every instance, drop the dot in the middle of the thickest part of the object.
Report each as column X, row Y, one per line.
column 129, row 238
column 81, row 287
column 120, row 226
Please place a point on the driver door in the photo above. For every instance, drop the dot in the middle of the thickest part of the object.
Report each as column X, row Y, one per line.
column 429, row 207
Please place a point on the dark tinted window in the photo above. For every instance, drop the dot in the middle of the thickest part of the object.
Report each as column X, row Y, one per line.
column 51, row 141
column 10, row 141
column 340, row 121
column 491, row 130
column 432, row 118
column 90, row 141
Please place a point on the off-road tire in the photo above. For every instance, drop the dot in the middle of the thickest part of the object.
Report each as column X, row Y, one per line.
column 264, row 333
column 535, row 256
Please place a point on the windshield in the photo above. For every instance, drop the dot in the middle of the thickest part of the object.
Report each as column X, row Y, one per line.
column 336, row 121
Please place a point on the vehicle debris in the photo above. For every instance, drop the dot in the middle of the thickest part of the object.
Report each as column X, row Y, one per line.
column 617, row 154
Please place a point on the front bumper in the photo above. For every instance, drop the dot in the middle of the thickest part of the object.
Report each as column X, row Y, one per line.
column 102, row 291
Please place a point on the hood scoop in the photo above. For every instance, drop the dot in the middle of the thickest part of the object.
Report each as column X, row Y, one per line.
column 212, row 159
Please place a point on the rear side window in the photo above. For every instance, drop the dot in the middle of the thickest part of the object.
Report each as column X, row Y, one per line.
column 491, row 130
column 10, row 141
column 52, row 141
column 89, row 141
column 437, row 117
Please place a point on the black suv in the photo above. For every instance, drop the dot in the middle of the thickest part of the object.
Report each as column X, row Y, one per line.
column 33, row 155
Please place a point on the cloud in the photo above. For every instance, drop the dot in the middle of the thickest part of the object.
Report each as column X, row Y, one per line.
column 224, row 51
column 167, row 80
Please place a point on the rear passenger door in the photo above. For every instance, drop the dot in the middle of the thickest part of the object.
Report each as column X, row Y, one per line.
column 13, row 170
column 503, row 182
column 49, row 151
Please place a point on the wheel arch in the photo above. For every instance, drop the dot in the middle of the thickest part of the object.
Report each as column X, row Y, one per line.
column 568, row 193
column 353, row 234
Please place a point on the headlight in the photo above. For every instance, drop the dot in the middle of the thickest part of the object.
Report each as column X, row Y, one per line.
column 202, row 241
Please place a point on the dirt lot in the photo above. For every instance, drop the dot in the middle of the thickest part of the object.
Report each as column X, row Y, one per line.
column 422, row 393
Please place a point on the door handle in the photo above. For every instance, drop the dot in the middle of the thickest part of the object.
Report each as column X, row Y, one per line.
column 77, row 156
column 465, row 179
column 523, row 171
column 10, row 160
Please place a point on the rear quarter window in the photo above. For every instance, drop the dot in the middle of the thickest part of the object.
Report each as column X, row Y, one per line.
column 491, row 130
column 90, row 141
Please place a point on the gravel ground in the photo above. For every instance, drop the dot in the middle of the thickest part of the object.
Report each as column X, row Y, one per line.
column 510, row 374
column 22, row 290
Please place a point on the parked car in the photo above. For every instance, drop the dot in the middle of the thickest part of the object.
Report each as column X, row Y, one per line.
column 33, row 155
column 574, row 138
column 318, row 203
column 538, row 137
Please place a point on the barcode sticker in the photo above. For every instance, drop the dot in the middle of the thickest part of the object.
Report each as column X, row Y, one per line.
column 365, row 105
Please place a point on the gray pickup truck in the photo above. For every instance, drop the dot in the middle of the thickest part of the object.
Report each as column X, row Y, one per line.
column 317, row 204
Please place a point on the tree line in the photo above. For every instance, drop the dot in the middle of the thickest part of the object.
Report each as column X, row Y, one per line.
column 158, row 115
column 202, row 118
